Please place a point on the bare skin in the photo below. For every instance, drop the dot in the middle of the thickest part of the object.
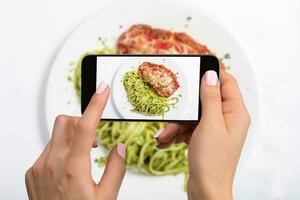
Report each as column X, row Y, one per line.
column 215, row 144
column 63, row 170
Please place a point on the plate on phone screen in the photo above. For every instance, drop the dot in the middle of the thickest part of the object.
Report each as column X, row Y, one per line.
column 108, row 24
column 120, row 98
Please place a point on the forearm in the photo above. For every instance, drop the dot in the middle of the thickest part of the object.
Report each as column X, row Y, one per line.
column 206, row 191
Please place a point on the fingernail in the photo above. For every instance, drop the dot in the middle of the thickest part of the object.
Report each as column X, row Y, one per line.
column 211, row 78
column 121, row 150
column 157, row 134
column 102, row 86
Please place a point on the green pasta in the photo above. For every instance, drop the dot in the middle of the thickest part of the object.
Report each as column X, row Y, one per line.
column 144, row 99
column 138, row 137
column 141, row 151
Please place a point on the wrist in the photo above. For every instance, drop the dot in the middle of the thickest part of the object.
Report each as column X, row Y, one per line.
column 208, row 191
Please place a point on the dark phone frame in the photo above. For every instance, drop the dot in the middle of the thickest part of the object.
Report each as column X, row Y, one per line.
column 89, row 75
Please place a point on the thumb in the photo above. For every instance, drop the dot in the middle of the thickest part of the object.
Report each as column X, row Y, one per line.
column 210, row 94
column 113, row 174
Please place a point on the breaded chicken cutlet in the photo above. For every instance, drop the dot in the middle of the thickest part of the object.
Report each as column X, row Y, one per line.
column 143, row 39
column 162, row 80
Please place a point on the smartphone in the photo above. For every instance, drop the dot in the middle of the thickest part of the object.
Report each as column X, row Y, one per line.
column 147, row 87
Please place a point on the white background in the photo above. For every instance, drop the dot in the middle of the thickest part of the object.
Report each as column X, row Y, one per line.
column 32, row 32
column 108, row 70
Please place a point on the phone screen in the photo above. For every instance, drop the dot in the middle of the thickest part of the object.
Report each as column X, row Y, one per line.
column 145, row 88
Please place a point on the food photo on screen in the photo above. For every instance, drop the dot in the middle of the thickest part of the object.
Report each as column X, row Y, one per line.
column 149, row 88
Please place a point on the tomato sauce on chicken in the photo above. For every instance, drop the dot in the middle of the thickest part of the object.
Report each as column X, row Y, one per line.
column 162, row 80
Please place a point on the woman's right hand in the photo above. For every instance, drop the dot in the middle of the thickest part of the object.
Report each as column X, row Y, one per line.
column 215, row 144
column 63, row 170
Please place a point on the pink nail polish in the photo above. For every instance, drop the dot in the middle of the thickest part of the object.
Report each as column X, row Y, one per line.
column 121, row 150
column 102, row 86
column 211, row 78
column 157, row 134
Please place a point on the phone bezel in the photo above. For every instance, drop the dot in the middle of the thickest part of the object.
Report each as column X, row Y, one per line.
column 89, row 75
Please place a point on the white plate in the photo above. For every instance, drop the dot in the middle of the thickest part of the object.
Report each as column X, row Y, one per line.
column 120, row 96
column 61, row 97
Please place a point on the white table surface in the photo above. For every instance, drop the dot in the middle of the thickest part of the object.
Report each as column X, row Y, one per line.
column 32, row 31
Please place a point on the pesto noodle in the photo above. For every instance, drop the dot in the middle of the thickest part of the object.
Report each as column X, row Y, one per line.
column 143, row 98
column 138, row 137
column 141, row 151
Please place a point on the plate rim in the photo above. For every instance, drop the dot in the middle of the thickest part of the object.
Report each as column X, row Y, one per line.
column 175, row 66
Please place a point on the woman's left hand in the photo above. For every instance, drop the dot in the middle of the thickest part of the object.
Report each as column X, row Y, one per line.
column 63, row 170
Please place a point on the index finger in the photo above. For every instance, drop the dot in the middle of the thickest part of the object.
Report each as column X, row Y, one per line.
column 170, row 130
column 85, row 132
